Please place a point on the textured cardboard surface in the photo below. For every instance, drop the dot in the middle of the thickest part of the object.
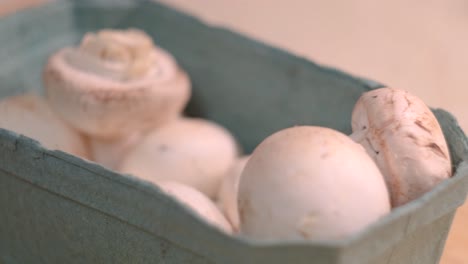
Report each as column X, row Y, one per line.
column 62, row 209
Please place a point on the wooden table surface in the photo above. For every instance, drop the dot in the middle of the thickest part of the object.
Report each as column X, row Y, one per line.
column 416, row 45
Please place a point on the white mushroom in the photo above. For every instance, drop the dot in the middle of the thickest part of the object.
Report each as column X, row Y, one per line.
column 227, row 194
column 309, row 182
column 192, row 151
column 197, row 202
column 403, row 137
column 114, row 83
column 29, row 115
column 110, row 152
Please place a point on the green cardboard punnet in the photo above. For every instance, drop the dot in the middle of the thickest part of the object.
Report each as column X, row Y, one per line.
column 56, row 208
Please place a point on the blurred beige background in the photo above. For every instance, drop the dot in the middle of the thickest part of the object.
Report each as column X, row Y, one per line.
column 416, row 45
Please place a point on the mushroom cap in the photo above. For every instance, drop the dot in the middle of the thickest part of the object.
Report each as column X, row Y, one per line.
column 192, row 151
column 29, row 115
column 114, row 83
column 227, row 195
column 309, row 182
column 403, row 137
column 198, row 202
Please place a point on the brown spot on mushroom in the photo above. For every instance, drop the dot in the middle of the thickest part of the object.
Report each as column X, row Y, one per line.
column 408, row 104
column 102, row 53
column 243, row 206
column 51, row 75
column 383, row 126
column 26, row 103
column 420, row 124
column 436, row 149
column 408, row 101
column 397, row 127
column 395, row 190
column 372, row 146
column 306, row 224
column 163, row 148
column 392, row 179
column 304, row 233
column 375, row 96
column 412, row 136
column 449, row 172
column 324, row 155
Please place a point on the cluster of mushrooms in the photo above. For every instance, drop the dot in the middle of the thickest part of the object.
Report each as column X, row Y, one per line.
column 117, row 99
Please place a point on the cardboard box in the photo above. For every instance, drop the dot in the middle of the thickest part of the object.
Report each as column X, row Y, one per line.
column 56, row 208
